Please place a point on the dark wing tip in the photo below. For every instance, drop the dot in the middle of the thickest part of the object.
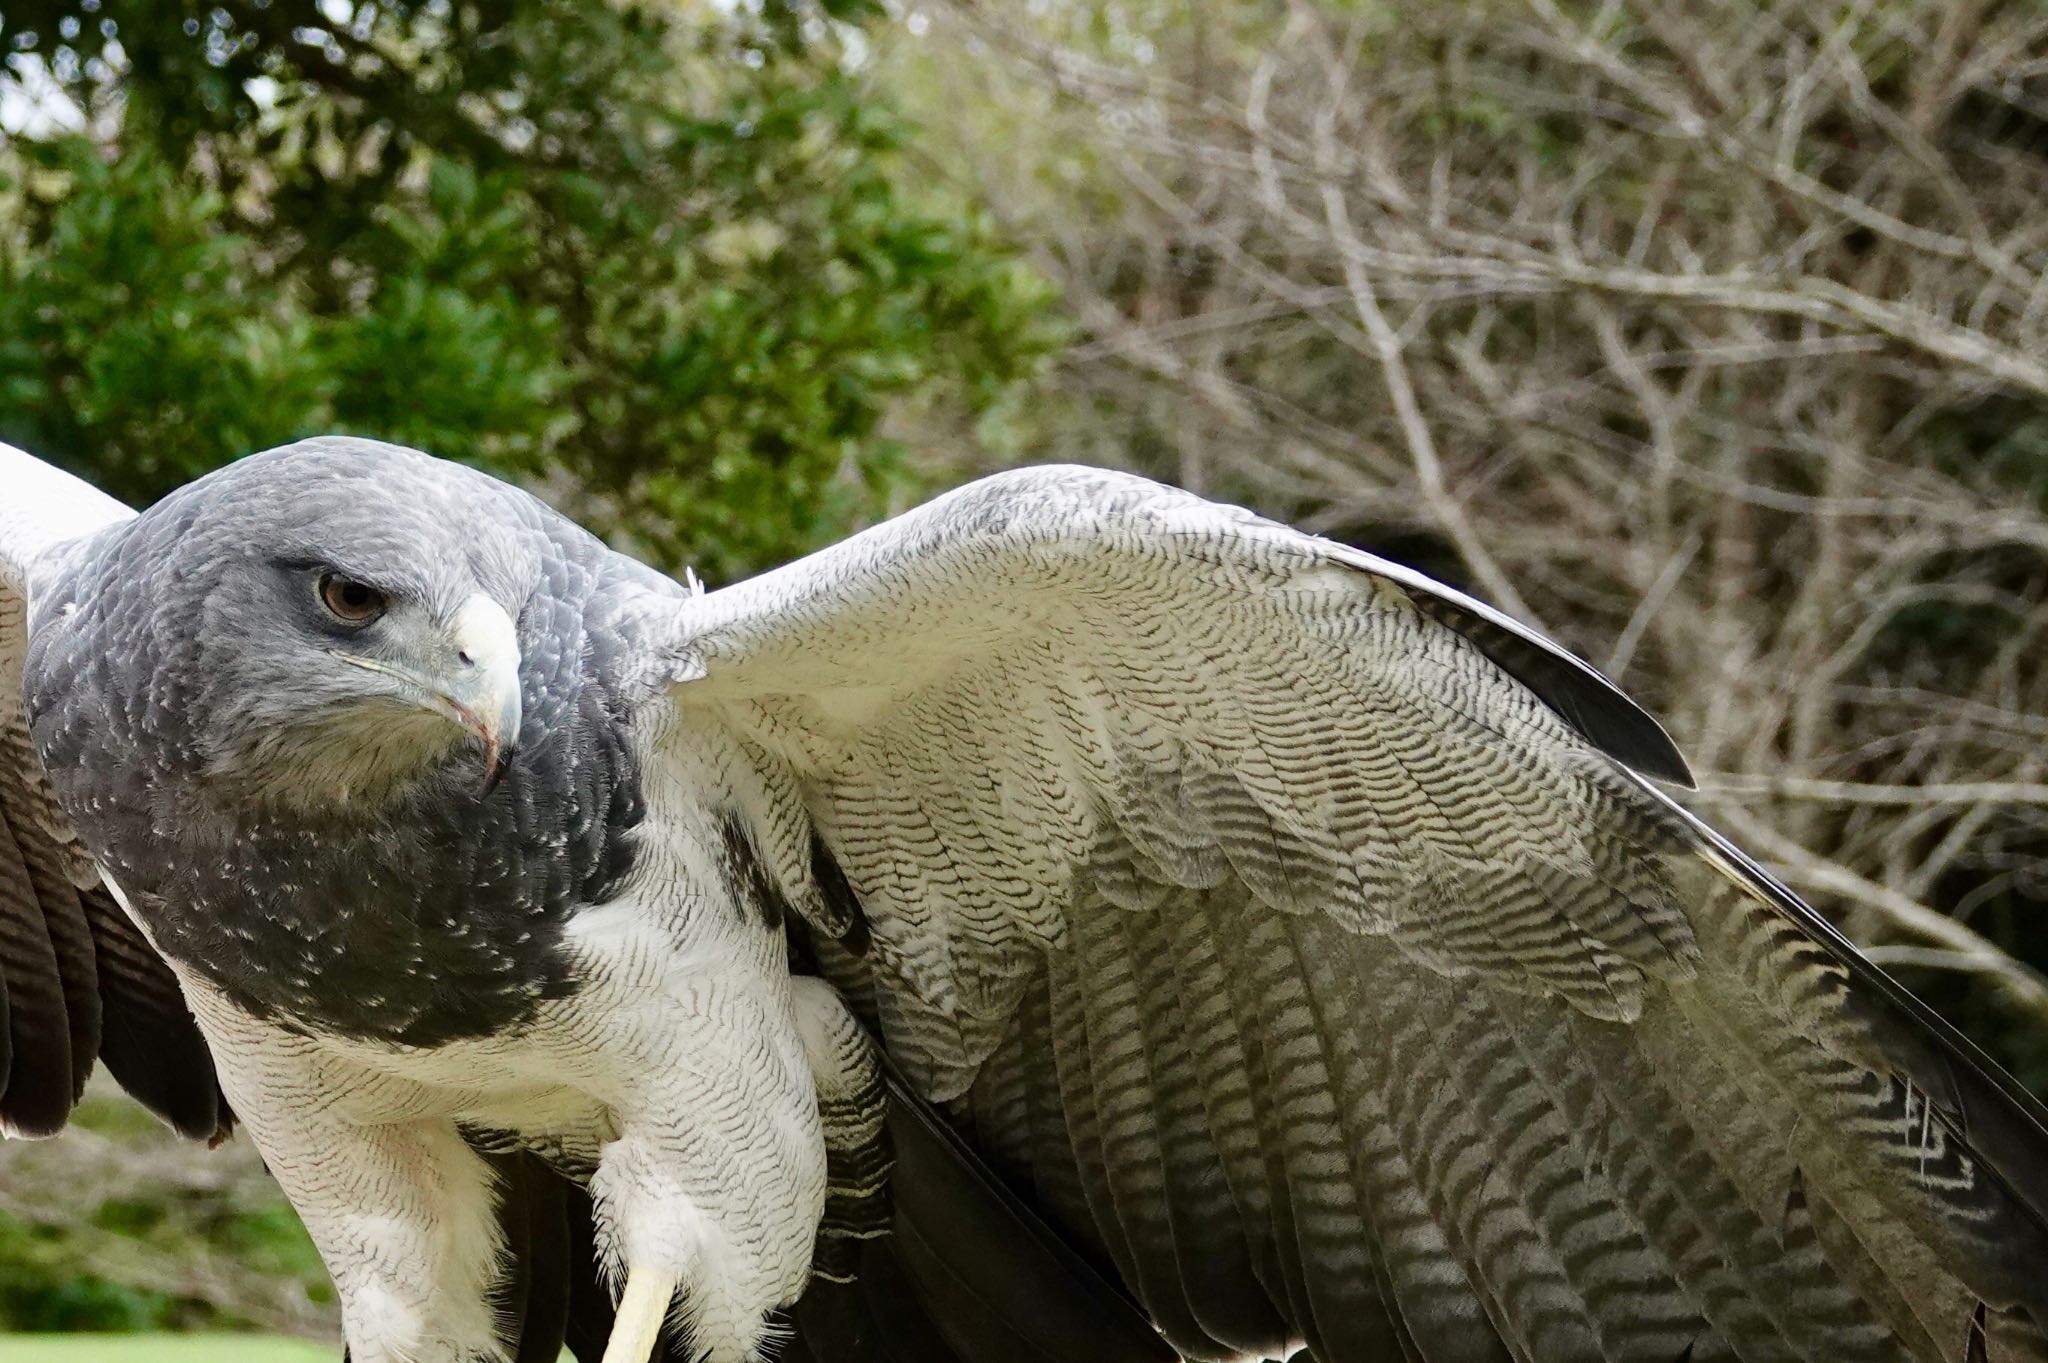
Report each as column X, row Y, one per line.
column 845, row 919
column 171, row 1075
column 1598, row 709
column 38, row 1099
column 1595, row 706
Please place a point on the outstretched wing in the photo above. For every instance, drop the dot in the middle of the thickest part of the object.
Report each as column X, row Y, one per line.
column 78, row 981
column 1301, row 935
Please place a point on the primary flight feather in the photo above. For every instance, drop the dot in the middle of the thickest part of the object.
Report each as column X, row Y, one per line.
column 1291, row 939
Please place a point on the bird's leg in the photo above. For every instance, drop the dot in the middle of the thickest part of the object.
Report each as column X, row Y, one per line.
column 401, row 1211
column 715, row 1181
column 643, row 1307
column 849, row 1081
column 704, row 1201
column 402, row 1214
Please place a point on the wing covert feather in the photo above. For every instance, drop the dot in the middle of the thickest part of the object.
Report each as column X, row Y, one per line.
column 1305, row 936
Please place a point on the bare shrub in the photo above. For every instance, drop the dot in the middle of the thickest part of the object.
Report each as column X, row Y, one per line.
column 1713, row 336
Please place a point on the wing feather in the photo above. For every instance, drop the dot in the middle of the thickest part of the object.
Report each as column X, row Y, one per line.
column 1305, row 936
column 51, row 999
column 79, row 980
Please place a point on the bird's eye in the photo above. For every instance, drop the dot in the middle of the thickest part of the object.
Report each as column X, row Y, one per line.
column 350, row 601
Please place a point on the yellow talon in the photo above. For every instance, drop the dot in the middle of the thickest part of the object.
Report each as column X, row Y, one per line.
column 643, row 1306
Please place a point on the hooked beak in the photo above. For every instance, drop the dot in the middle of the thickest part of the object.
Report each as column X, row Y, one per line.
column 477, row 687
column 484, row 698
column 491, row 712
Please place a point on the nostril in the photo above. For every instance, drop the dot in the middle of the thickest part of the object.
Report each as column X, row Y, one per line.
column 463, row 657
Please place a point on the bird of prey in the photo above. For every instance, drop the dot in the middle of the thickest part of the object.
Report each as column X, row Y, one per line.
column 1212, row 924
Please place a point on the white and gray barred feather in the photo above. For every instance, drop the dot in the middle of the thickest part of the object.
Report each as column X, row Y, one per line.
column 1298, row 932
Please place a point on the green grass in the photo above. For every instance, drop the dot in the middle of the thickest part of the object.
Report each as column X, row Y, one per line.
column 162, row 1349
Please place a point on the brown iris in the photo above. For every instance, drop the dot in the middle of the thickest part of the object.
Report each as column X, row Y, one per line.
column 350, row 601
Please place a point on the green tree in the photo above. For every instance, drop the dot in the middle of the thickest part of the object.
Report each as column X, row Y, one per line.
column 674, row 267
column 676, row 273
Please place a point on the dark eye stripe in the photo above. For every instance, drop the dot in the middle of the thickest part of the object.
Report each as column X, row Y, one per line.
column 350, row 601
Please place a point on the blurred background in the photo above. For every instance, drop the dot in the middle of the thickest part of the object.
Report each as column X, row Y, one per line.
column 1710, row 336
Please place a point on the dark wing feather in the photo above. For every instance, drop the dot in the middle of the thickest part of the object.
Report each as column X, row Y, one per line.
column 79, row 981
column 1297, row 934
column 534, row 1297
column 995, row 1280
column 148, row 1040
column 46, row 963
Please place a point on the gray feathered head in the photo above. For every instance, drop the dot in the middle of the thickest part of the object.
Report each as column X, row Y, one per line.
column 319, row 623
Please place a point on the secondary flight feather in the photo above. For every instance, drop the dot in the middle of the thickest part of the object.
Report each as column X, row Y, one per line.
column 1264, row 945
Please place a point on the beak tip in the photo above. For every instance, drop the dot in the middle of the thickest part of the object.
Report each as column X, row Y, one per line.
column 497, row 761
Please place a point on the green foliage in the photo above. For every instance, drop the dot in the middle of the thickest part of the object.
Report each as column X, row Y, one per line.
column 108, row 1230
column 129, row 336
column 53, row 1279
column 675, row 271
column 45, row 1288
column 677, row 274
column 99, row 1348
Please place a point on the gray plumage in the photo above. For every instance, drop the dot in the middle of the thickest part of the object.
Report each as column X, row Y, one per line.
column 1298, row 934
column 415, row 915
